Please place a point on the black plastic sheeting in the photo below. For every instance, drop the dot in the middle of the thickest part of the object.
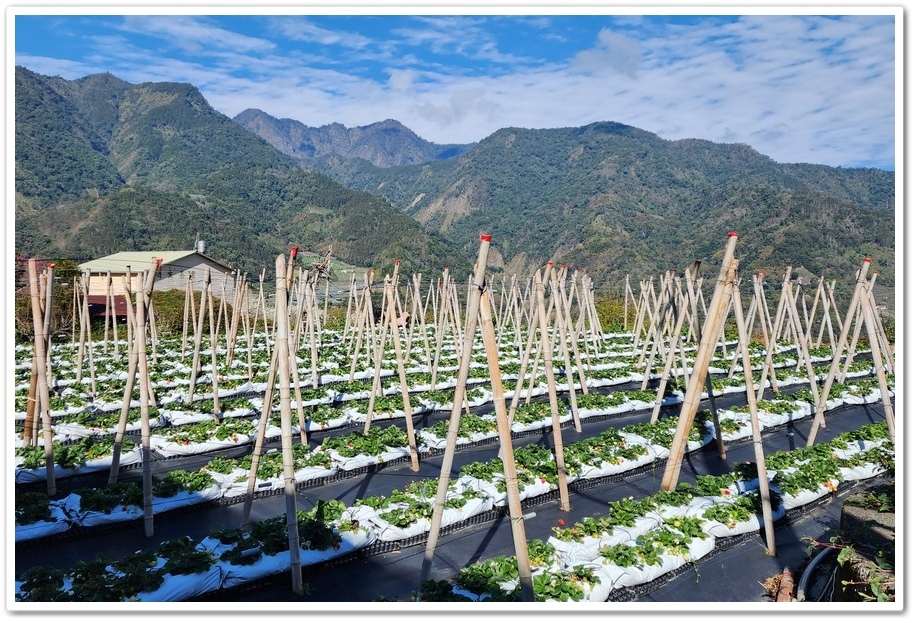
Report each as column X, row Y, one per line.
column 734, row 572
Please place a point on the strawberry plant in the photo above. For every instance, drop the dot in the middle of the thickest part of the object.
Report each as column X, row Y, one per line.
column 625, row 511
column 436, row 591
column 565, row 585
column 32, row 507
column 105, row 500
column 486, row 576
column 181, row 480
column 183, row 557
column 43, row 584
column 639, row 554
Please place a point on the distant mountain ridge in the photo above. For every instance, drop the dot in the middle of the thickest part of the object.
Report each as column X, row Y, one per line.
column 617, row 200
column 103, row 165
column 383, row 144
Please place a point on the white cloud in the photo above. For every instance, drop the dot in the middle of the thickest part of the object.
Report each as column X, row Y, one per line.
column 301, row 29
column 796, row 88
column 402, row 80
column 193, row 34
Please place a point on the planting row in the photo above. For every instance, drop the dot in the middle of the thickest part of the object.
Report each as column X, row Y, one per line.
column 83, row 442
column 635, row 542
column 346, row 454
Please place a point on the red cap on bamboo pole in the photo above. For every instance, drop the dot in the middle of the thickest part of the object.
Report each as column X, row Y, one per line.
column 293, row 251
column 486, row 237
column 731, row 233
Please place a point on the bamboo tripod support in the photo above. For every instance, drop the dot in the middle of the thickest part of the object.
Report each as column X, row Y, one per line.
column 390, row 319
column 272, row 372
column 561, row 332
column 858, row 304
column 479, row 307
column 676, row 344
column 712, row 326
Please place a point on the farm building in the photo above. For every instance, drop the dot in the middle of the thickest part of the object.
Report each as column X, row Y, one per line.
column 175, row 269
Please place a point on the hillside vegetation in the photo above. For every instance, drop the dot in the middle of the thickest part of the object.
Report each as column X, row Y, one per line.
column 617, row 200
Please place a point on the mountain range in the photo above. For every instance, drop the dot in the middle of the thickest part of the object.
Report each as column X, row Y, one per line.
column 103, row 165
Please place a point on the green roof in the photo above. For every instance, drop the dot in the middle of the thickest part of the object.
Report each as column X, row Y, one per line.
column 138, row 260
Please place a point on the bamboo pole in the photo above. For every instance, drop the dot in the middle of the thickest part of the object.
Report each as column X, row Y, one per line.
column 663, row 304
column 574, row 332
column 108, row 311
column 133, row 357
column 759, row 454
column 262, row 302
column 442, row 310
column 871, row 326
column 700, row 369
column 803, row 352
column 362, row 319
column 563, row 329
column 198, row 338
column 402, row 376
column 379, row 354
column 73, row 313
column 523, row 363
column 214, row 366
column 886, row 349
column 189, row 313
column 314, row 330
column 833, row 306
column 516, row 517
column 233, row 324
column 781, row 312
column 351, row 298
column 673, row 347
column 282, row 347
column 120, row 430
column 40, row 361
column 142, row 303
column 547, row 349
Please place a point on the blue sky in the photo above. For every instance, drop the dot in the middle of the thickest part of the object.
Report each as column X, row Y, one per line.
column 817, row 87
